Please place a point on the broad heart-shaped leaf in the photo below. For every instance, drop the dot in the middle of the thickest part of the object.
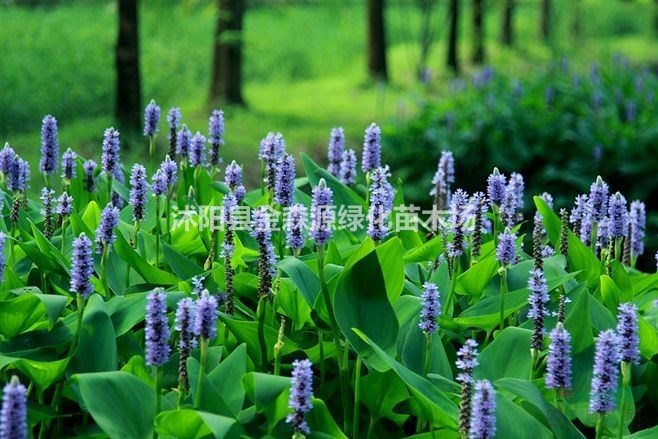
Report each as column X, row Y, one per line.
column 263, row 389
column 508, row 356
column 292, row 304
column 320, row 420
column 301, row 274
column 476, row 278
column 514, row 422
column 122, row 405
column 247, row 332
column 343, row 195
column 20, row 314
column 578, row 321
column 227, row 378
column 648, row 338
column 41, row 373
column 97, row 349
column 182, row 266
column 392, row 265
column 361, row 302
column 381, row 393
column 426, row 252
column 548, row 414
column 192, row 424
column 149, row 273
column 434, row 404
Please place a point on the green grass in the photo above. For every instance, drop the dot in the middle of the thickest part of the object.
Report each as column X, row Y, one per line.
column 304, row 65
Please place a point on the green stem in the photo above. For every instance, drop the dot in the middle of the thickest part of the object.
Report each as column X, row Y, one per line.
column 428, row 346
column 599, row 425
column 64, row 221
column 371, row 427
column 202, row 371
column 109, row 188
column 104, row 257
column 618, row 255
column 151, row 153
column 626, row 381
column 503, row 292
column 453, row 284
column 322, row 367
column 357, row 397
column 158, row 387
column 157, row 230
column 168, row 216
column 260, row 311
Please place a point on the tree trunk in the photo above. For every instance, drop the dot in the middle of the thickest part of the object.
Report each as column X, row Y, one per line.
column 376, row 41
column 427, row 32
column 545, row 20
column 128, row 93
column 575, row 23
column 478, row 55
column 226, row 75
column 507, row 34
column 453, row 58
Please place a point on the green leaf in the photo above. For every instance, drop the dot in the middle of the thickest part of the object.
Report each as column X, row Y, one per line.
column 303, row 277
column 578, row 321
column 263, row 389
column 392, row 266
column 149, row 273
column 343, row 195
column 320, row 420
column 122, row 405
column 191, row 424
column 648, row 338
column 361, row 302
column 227, row 378
column 474, row 280
column 97, row 349
column 20, row 314
column 381, row 393
column 514, row 422
column 182, row 266
column 508, row 356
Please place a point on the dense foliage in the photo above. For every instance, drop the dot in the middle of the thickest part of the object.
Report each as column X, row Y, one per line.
column 132, row 306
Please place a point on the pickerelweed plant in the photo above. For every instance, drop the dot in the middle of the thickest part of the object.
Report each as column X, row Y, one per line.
column 177, row 301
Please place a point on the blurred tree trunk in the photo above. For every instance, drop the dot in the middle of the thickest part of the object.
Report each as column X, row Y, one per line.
column 507, row 33
column 128, row 98
column 478, row 55
column 226, row 75
column 377, row 41
column 427, row 32
column 453, row 14
column 545, row 20
column 575, row 23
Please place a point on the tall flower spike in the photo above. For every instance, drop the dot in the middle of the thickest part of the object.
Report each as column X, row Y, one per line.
column 90, row 180
column 336, row 148
column 7, row 157
column 159, row 183
column 82, row 266
column 431, row 309
column 295, row 226
column 47, row 196
column 372, row 148
column 184, row 322
column 348, row 167
column 627, row 328
column 205, row 323
column 20, row 175
column 64, row 205
column 483, row 413
column 13, row 417
column 3, row 241
column 284, row 188
column 272, row 148
column 215, row 135
column 105, row 234
column 233, row 179
column 381, row 203
column 558, row 365
column 110, row 156
column 170, row 171
column 538, row 300
column 506, row 249
column 228, row 210
column 478, row 208
column 496, row 187
column 460, row 211
column 508, row 214
column 578, row 212
column 69, row 165
column 262, row 232
column 321, row 218
column 197, row 152
column 637, row 220
column 564, row 233
column 618, row 214
column 157, row 329
column 183, row 142
column 173, row 120
column 49, row 145
column 516, row 186
column 151, row 119
column 301, row 395
column 598, row 199
column 606, row 373
column 466, row 362
column 443, row 179
column 138, row 187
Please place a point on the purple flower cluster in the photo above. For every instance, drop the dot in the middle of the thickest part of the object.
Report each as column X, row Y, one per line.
column 7, row 157
column 170, row 170
column 606, row 373
column 272, row 148
column 197, row 150
column 105, row 234
column 233, row 179
column 627, row 330
column 215, row 135
column 460, row 211
column 321, row 231
column 183, row 323
column 184, row 141
column 68, row 164
column 295, row 226
column 558, row 365
column 372, row 148
column 205, row 323
column 515, row 186
column 19, row 175
column 13, row 417
column 262, row 232
column 138, row 187
column 467, row 361
column 483, row 411
column 506, row 249
column 82, row 266
column 159, row 183
column 598, row 199
column 284, row 188
column 90, row 180
column 618, row 215
column 64, row 205
column 637, row 219
column 301, row 395
column 49, row 146
column 496, row 187
column 381, row 203
column 336, row 148
column 538, row 300
column 157, row 329
column 151, row 119
column 431, row 309
column 110, row 155
column 443, row 179
column 348, row 167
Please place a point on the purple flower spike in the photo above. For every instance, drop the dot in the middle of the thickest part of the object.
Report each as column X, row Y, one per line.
column 169, row 170
column 558, row 366
column 64, row 205
column 82, row 266
column 215, row 135
column 159, row 183
column 348, row 167
column 7, row 157
column 301, row 395
column 336, row 149
column 443, row 179
column 138, row 187
column 496, row 187
column 197, row 151
column 637, row 220
column 467, row 360
column 205, row 324
column 184, row 141
column 618, row 215
column 516, row 186
column 598, row 199
column 110, row 156
column 295, row 226
column 272, row 148
column 506, row 250
column 538, row 301
column 321, row 214
column 483, row 412
column 431, row 309
column 151, row 119
column 606, row 373
column 627, row 328
column 49, row 146
column 105, row 234
column 90, row 180
column 284, row 189
column 233, row 179
column 372, row 148
column 68, row 164
column 157, row 329
column 13, row 417
column 381, row 203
